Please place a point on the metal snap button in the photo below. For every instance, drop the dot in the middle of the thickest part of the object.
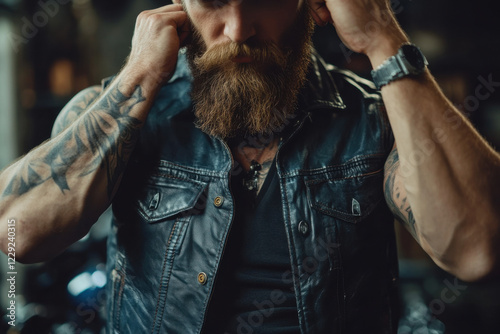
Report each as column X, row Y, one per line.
column 202, row 278
column 303, row 227
column 218, row 201
column 153, row 205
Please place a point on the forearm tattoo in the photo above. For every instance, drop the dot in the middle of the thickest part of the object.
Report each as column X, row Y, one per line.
column 395, row 194
column 106, row 134
column 71, row 112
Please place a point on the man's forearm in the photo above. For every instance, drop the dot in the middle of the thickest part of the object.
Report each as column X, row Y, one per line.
column 57, row 191
column 450, row 174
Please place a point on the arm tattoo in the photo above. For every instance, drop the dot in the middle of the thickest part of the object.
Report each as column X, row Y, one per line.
column 72, row 111
column 106, row 134
column 395, row 194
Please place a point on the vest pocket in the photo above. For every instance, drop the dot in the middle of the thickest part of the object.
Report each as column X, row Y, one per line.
column 349, row 192
column 165, row 197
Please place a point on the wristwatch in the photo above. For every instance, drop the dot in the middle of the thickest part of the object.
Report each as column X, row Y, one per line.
column 408, row 61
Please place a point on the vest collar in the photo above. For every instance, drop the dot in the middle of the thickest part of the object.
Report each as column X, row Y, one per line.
column 320, row 90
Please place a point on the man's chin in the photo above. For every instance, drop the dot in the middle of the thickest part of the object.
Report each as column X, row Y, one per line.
column 238, row 125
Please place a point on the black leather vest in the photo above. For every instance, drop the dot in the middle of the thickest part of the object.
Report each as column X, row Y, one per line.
column 174, row 209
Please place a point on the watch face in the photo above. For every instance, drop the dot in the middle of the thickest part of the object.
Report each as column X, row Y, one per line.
column 414, row 56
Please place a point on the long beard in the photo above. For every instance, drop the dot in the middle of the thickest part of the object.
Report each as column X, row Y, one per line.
column 238, row 99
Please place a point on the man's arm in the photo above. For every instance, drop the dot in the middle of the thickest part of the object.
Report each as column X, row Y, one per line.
column 58, row 190
column 395, row 194
column 443, row 169
column 75, row 108
column 444, row 178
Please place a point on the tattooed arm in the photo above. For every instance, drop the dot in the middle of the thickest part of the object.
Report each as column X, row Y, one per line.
column 395, row 194
column 469, row 238
column 58, row 190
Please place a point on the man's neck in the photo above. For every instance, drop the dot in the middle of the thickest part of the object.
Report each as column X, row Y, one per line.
column 250, row 151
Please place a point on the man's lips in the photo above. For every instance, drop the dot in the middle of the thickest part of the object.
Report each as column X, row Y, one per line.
column 242, row 59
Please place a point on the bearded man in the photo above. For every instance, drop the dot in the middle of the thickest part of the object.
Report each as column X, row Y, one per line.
column 254, row 186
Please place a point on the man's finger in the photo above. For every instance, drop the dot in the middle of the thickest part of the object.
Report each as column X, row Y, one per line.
column 319, row 12
column 167, row 8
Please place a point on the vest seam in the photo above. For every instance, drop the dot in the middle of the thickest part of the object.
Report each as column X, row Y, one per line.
column 176, row 177
column 314, row 182
column 172, row 250
column 300, row 306
column 116, row 316
column 207, row 172
column 161, row 278
column 355, row 161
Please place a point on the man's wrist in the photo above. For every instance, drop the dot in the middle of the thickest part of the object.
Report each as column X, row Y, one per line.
column 385, row 48
column 150, row 81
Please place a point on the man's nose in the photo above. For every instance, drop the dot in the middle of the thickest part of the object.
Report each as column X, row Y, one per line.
column 240, row 24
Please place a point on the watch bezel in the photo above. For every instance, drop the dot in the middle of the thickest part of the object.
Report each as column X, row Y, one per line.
column 414, row 57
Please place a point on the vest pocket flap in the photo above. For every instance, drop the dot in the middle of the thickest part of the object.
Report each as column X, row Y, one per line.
column 163, row 199
column 350, row 199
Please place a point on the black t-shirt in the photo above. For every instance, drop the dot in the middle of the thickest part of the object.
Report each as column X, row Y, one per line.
column 252, row 289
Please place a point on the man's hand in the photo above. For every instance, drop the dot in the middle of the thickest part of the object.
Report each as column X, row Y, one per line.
column 158, row 35
column 365, row 26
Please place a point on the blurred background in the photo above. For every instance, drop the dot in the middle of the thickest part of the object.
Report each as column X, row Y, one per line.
column 51, row 49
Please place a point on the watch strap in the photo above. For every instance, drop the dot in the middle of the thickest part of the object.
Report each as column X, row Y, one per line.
column 408, row 61
column 388, row 71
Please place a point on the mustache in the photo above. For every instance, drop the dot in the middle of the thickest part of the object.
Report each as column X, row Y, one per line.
column 222, row 55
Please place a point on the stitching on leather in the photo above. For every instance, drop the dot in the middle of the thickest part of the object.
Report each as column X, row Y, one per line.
column 318, row 181
column 297, row 285
column 117, row 303
column 355, row 161
column 359, row 160
column 322, row 206
column 166, row 164
column 169, row 176
column 162, row 274
column 171, row 249
column 120, row 294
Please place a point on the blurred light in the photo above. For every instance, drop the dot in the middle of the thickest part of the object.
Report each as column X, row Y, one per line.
column 80, row 283
column 86, row 281
column 432, row 44
column 8, row 135
column 99, row 278
column 61, row 77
